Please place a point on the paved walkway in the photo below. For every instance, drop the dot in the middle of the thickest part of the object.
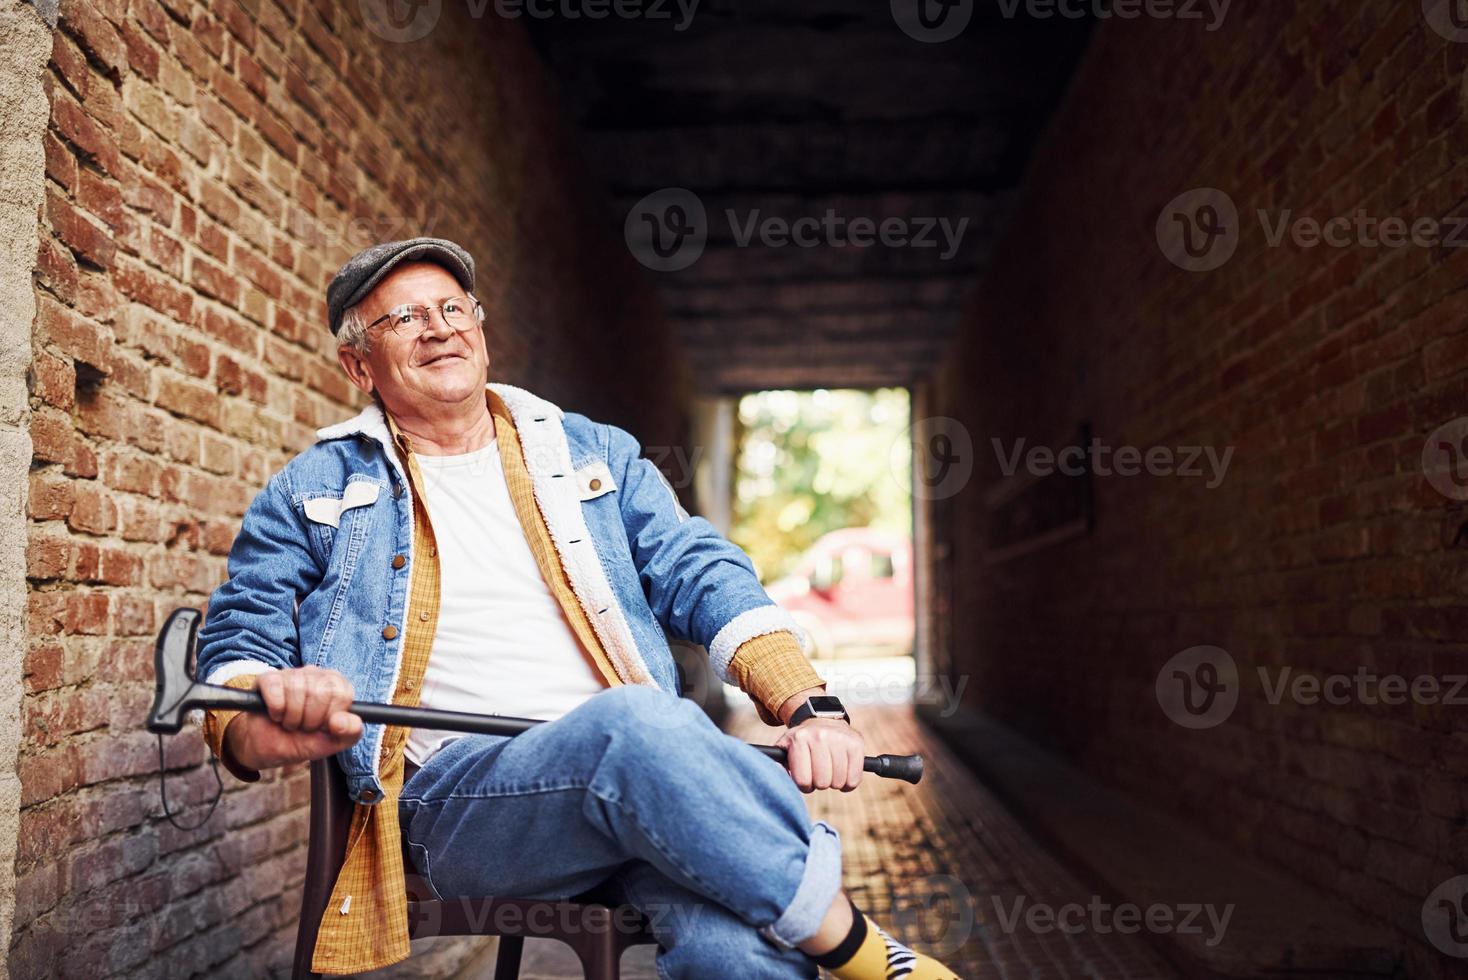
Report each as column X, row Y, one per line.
column 943, row 866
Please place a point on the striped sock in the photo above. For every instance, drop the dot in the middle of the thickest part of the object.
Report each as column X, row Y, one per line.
column 869, row 953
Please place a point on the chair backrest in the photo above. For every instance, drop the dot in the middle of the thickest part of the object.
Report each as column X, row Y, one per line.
column 331, row 821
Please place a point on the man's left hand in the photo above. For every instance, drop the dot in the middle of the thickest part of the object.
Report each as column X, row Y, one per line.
column 823, row 753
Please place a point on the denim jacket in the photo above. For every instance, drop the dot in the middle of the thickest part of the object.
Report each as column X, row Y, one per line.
column 312, row 577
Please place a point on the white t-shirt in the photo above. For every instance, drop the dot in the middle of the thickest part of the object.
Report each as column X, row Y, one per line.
column 503, row 645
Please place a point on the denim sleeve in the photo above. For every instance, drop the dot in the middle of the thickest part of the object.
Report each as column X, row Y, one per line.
column 252, row 617
column 700, row 586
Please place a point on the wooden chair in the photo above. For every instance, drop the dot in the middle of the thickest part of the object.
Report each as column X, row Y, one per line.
column 589, row 923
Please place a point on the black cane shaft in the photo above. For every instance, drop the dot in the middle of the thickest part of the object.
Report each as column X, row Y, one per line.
column 905, row 767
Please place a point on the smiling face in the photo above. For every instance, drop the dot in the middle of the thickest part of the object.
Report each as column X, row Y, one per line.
column 421, row 376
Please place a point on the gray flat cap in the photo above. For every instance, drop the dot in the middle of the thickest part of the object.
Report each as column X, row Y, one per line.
column 367, row 268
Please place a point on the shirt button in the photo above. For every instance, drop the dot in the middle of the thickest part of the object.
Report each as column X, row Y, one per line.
column 398, row 561
column 423, row 615
column 596, row 484
column 433, row 551
column 391, row 633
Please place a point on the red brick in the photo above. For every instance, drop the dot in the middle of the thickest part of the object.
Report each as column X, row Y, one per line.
column 86, row 613
column 94, row 512
column 75, row 126
column 94, row 33
column 53, row 379
column 87, row 239
column 142, row 54
column 189, row 400
column 47, row 556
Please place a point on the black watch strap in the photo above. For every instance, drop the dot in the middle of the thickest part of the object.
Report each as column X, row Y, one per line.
column 822, row 705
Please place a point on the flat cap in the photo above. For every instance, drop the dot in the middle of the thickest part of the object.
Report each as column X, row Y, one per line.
column 363, row 271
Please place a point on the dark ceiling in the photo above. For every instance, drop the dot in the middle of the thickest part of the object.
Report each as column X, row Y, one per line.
column 798, row 110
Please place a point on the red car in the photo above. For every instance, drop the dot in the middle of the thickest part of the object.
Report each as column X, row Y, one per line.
column 852, row 594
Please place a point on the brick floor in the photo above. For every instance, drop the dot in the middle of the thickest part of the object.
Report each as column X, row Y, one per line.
column 936, row 864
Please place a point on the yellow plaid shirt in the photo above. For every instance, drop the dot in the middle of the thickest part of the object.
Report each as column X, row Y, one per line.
column 366, row 922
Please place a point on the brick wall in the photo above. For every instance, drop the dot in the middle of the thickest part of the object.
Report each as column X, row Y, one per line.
column 208, row 167
column 1324, row 549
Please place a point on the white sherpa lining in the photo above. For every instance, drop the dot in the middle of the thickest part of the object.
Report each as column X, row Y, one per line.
column 227, row 672
column 744, row 627
column 372, row 423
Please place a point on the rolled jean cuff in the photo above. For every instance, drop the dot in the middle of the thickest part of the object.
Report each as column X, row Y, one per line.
column 818, row 886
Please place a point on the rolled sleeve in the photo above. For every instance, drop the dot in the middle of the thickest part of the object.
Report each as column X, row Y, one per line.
column 770, row 669
column 217, row 720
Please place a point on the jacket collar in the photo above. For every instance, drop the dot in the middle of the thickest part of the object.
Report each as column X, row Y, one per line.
column 371, row 421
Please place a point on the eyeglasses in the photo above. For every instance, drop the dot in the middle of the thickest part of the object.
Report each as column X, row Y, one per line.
column 411, row 319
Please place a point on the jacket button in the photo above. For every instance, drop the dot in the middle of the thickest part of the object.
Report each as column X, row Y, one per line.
column 596, row 484
column 398, row 561
column 391, row 633
column 368, row 795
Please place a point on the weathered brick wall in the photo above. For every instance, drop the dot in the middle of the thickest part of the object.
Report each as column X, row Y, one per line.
column 1324, row 549
column 208, row 167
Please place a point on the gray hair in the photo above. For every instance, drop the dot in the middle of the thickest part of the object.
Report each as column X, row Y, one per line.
column 353, row 332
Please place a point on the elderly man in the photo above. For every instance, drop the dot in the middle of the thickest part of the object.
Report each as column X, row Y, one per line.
column 474, row 548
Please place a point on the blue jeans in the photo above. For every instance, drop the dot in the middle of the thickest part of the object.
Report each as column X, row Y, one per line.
column 709, row 838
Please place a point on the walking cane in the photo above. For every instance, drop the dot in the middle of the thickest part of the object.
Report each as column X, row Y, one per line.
column 176, row 692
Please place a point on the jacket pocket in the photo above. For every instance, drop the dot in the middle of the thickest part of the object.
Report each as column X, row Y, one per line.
column 326, row 510
column 594, row 480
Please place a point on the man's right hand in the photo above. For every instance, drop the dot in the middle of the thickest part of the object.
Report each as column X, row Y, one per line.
column 306, row 718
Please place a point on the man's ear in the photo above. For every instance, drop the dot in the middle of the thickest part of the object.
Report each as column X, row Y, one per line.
column 356, row 368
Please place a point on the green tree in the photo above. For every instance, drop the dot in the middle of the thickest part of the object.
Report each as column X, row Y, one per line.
column 809, row 462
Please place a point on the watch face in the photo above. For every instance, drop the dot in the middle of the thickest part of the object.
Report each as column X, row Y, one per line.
column 823, row 704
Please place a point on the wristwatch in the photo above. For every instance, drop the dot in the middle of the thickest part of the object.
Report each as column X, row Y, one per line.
column 819, row 706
